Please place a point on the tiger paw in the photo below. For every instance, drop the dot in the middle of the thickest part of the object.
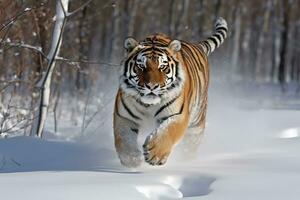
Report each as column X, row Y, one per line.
column 156, row 150
column 131, row 159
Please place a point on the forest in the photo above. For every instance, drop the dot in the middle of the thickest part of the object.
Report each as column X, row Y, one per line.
column 262, row 48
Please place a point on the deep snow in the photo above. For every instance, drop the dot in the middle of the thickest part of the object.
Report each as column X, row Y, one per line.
column 245, row 154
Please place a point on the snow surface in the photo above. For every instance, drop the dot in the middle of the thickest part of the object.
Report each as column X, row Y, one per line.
column 245, row 154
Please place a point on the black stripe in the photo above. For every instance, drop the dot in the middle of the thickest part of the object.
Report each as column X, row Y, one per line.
column 117, row 112
column 208, row 47
column 165, row 106
column 214, row 40
column 161, row 120
column 127, row 63
column 135, row 130
column 143, row 51
column 221, row 28
column 128, row 110
column 126, row 81
column 219, row 37
column 127, row 119
column 150, row 50
column 176, row 68
column 157, row 49
column 222, row 33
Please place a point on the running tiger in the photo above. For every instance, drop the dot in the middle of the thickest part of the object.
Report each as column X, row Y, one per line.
column 164, row 86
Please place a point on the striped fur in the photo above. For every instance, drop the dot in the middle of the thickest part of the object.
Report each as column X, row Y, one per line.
column 218, row 37
column 163, row 93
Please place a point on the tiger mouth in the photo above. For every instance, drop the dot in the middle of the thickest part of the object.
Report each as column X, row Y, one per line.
column 151, row 94
column 150, row 98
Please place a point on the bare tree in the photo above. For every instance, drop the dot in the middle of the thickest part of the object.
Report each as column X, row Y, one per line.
column 45, row 82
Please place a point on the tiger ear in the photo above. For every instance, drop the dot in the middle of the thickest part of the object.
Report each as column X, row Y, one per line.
column 130, row 43
column 175, row 45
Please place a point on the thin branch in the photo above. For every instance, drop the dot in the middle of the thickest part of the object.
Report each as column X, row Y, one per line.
column 102, row 109
column 6, row 33
column 5, row 87
column 5, row 116
column 69, row 61
column 9, row 23
column 14, row 161
column 101, row 123
column 11, row 128
column 3, row 163
column 54, row 111
column 105, row 6
column 86, row 61
column 79, row 8
column 26, row 46
column 85, row 111
column 18, row 107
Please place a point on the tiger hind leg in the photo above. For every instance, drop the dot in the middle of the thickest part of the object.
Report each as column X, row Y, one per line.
column 194, row 133
column 191, row 141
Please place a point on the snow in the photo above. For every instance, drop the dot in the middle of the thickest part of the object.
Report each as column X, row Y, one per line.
column 246, row 153
column 27, row 9
column 290, row 133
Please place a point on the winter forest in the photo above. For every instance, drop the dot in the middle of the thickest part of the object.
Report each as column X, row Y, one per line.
column 60, row 62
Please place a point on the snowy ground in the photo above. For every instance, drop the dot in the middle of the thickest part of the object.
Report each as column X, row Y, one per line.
column 245, row 154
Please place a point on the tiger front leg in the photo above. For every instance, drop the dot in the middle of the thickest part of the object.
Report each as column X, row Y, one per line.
column 125, row 134
column 158, row 145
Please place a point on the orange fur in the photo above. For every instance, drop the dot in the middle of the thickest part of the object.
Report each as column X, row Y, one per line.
column 187, row 64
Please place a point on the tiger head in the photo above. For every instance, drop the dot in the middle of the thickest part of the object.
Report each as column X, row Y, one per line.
column 152, row 71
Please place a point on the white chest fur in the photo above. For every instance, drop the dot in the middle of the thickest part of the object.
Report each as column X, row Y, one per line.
column 147, row 117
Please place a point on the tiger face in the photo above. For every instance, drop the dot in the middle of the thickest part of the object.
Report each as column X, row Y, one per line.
column 152, row 72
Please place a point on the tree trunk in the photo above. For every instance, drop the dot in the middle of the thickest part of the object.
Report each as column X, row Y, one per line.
column 218, row 4
column 181, row 18
column 170, row 24
column 284, row 44
column 80, row 80
column 45, row 82
column 130, row 9
column 236, row 40
column 260, row 64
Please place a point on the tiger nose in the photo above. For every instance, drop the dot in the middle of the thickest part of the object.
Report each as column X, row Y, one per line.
column 151, row 86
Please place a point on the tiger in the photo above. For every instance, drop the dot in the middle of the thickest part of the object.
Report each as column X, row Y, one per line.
column 163, row 85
